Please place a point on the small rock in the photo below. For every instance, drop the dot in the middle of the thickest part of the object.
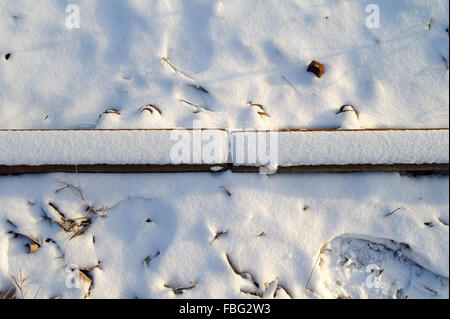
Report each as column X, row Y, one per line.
column 317, row 68
column 7, row 56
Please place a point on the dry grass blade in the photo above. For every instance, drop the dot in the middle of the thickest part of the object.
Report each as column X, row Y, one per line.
column 260, row 106
column 392, row 212
column 83, row 276
column 150, row 108
column 110, row 111
column 243, row 274
column 198, row 87
column 198, row 108
column 446, row 62
column 226, row 190
column 178, row 290
column 56, row 209
column 79, row 225
column 19, row 284
column 218, row 235
column 189, row 103
column 430, row 23
column 348, row 108
column 434, row 292
column 80, row 232
column 76, row 190
column 167, row 61
column 149, row 258
column 33, row 246
column 11, row 223
column 9, row 294
column 322, row 250
column 86, row 275
column 292, row 86
column 263, row 114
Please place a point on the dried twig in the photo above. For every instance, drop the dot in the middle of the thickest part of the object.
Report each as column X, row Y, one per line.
column 178, row 290
column 199, row 108
column 260, row 106
column 150, row 108
column 76, row 190
column 110, row 111
column 85, row 274
column 33, row 246
column 292, row 86
column 226, row 190
column 176, row 70
column 19, row 284
column 430, row 23
column 262, row 112
column 148, row 259
column 218, row 235
column 322, row 250
column 78, row 225
column 243, row 274
column 392, row 212
column 446, row 62
column 9, row 294
column 198, row 87
column 348, row 108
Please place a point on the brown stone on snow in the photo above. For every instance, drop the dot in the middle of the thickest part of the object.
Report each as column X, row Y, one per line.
column 317, row 68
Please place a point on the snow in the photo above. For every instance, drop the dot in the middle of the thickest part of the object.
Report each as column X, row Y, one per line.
column 79, row 147
column 233, row 65
column 239, row 51
column 349, row 261
column 344, row 147
column 291, row 148
column 274, row 227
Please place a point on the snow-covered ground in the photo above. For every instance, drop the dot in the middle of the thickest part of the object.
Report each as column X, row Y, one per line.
column 234, row 64
column 239, row 51
column 155, row 230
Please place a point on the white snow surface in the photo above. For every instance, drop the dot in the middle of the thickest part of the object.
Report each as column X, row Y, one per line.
column 344, row 147
column 239, row 51
column 237, row 65
column 166, row 147
column 112, row 147
column 275, row 227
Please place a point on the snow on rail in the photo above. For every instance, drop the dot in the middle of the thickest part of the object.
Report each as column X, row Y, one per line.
column 118, row 147
column 36, row 151
column 338, row 148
